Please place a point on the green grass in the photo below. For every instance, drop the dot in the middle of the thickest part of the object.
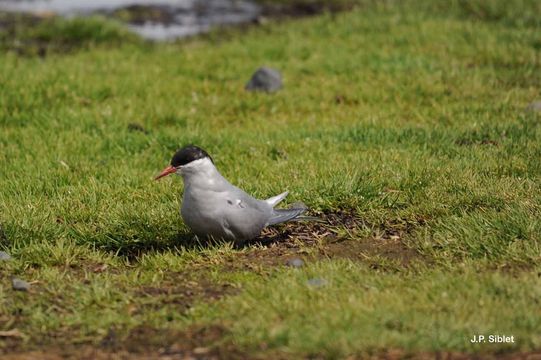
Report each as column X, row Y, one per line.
column 412, row 116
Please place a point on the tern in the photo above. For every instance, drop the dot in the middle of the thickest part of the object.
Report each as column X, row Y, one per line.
column 212, row 207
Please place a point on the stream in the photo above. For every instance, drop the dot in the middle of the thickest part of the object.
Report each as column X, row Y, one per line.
column 159, row 20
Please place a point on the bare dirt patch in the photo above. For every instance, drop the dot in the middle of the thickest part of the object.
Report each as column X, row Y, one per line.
column 176, row 291
column 196, row 342
column 182, row 293
column 340, row 235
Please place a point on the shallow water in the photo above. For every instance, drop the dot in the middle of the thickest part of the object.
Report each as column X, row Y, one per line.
column 155, row 20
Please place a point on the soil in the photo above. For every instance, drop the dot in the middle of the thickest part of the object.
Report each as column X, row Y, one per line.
column 314, row 241
column 337, row 236
column 177, row 290
column 196, row 342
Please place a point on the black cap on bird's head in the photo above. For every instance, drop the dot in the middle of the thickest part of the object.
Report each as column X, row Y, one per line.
column 188, row 154
column 183, row 157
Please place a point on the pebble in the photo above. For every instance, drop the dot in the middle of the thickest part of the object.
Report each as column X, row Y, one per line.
column 316, row 282
column 295, row 262
column 4, row 256
column 265, row 79
column 19, row 285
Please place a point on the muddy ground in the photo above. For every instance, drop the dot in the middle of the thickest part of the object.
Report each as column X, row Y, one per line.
column 336, row 237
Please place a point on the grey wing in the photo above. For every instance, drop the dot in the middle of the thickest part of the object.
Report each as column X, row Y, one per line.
column 245, row 216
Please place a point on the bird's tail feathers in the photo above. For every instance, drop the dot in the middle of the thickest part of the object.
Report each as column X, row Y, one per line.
column 282, row 215
column 307, row 218
column 273, row 201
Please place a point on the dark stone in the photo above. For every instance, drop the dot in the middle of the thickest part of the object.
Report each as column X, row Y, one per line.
column 265, row 79
column 19, row 285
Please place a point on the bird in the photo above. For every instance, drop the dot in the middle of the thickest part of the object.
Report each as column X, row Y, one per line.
column 214, row 208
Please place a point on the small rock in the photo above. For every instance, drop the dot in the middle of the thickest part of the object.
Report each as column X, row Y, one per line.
column 4, row 256
column 316, row 282
column 19, row 285
column 265, row 79
column 534, row 106
column 295, row 262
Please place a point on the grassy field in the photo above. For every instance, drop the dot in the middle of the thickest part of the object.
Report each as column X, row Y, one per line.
column 403, row 126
